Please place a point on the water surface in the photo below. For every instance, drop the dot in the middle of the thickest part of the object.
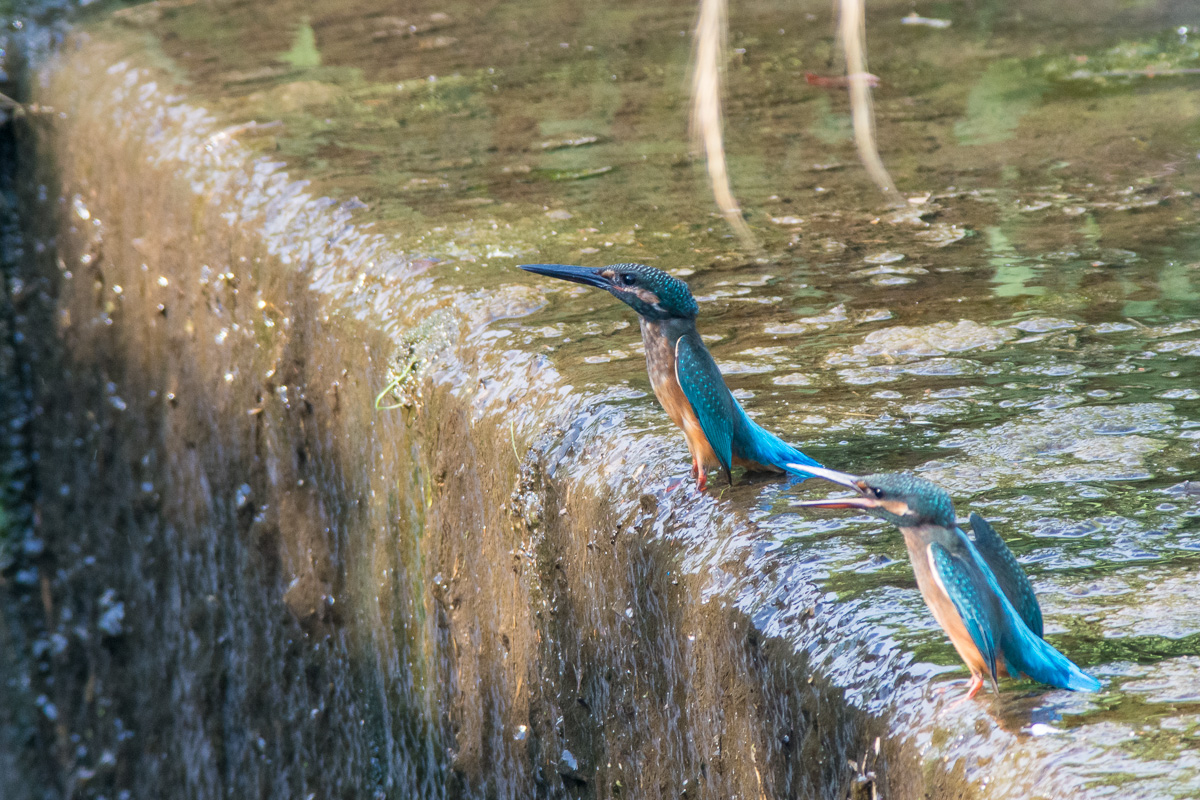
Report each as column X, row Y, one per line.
column 1024, row 331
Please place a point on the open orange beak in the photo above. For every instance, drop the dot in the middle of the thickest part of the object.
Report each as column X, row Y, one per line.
column 844, row 479
column 863, row 503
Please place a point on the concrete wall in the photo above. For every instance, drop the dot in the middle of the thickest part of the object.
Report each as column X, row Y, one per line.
column 482, row 593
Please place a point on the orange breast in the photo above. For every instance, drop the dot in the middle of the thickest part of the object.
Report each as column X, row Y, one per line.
column 660, row 363
column 943, row 607
column 675, row 402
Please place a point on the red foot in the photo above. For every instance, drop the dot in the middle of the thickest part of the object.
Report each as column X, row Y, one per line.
column 698, row 474
column 972, row 690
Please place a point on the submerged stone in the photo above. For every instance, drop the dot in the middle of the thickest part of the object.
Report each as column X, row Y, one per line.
column 938, row 339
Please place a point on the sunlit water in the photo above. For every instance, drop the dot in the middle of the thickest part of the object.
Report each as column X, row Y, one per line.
column 1025, row 330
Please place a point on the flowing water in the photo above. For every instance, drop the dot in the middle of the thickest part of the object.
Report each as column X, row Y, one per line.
column 1025, row 330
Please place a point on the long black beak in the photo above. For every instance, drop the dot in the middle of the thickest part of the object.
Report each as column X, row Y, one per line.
column 589, row 276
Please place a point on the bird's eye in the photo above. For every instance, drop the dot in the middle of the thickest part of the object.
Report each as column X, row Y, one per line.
column 628, row 279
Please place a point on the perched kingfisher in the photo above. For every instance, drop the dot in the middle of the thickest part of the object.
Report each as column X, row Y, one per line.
column 976, row 590
column 685, row 378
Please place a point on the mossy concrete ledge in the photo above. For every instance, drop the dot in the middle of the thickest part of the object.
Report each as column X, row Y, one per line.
column 491, row 589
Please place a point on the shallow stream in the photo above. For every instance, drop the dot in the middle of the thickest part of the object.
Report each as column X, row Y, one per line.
column 1024, row 330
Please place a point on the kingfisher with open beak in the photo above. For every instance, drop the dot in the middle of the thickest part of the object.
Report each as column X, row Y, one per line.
column 684, row 375
column 976, row 589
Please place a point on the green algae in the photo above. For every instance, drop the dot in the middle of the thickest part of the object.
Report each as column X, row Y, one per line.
column 415, row 351
column 303, row 53
column 1171, row 54
column 1004, row 93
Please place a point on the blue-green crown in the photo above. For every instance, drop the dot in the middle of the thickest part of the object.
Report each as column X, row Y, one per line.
column 928, row 502
column 673, row 294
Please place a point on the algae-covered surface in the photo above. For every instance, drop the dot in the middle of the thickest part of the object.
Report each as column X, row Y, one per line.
column 1025, row 330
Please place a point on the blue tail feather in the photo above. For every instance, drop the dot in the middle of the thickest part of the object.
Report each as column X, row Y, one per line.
column 753, row 443
column 1030, row 655
column 1025, row 652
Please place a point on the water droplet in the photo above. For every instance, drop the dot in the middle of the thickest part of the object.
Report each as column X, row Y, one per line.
column 48, row 708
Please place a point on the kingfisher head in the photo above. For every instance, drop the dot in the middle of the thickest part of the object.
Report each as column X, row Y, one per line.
column 650, row 292
column 903, row 500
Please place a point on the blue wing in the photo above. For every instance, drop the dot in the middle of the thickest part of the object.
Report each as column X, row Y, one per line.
column 705, row 389
column 1012, row 579
column 969, row 592
column 728, row 430
column 1023, row 652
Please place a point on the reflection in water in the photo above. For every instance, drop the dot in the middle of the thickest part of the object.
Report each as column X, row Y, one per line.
column 1005, row 92
column 1034, row 348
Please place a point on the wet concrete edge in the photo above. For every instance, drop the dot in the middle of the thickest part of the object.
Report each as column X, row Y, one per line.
column 422, row 582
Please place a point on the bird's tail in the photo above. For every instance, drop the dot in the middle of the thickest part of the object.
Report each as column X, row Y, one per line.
column 764, row 447
column 1030, row 655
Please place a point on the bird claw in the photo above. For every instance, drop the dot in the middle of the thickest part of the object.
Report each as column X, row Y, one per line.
column 699, row 474
column 972, row 689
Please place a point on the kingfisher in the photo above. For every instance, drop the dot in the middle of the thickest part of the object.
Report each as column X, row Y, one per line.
column 685, row 378
column 976, row 589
